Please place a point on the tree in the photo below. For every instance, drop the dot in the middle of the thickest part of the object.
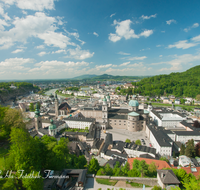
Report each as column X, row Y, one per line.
column 198, row 97
column 101, row 171
column 133, row 173
column 136, row 164
column 31, row 107
column 108, row 170
column 156, row 188
column 190, row 149
column 152, row 169
column 191, row 184
column 93, row 166
column 138, row 142
column 33, row 183
column 164, row 159
column 196, row 124
column 197, row 148
column 143, row 167
column 182, row 151
column 128, row 141
column 125, row 169
column 12, row 119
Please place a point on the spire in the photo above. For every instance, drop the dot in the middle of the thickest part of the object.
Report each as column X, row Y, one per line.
column 56, row 96
column 37, row 110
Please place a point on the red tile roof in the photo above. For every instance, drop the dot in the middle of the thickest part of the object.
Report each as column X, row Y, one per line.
column 159, row 163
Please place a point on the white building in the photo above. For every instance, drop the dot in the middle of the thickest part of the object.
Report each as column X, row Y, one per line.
column 159, row 139
column 165, row 118
column 79, row 123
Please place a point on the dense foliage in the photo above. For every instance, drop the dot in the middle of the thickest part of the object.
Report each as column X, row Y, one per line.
column 6, row 85
column 31, row 154
column 179, row 84
column 139, row 169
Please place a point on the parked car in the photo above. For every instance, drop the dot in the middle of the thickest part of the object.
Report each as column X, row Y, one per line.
column 150, row 144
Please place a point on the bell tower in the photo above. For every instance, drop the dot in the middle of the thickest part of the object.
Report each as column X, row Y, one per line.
column 105, row 113
column 56, row 105
column 38, row 120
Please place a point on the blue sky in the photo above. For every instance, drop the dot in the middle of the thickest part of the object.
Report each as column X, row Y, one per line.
column 44, row 39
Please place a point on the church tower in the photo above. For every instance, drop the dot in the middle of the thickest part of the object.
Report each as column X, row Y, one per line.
column 109, row 102
column 105, row 113
column 38, row 120
column 56, row 105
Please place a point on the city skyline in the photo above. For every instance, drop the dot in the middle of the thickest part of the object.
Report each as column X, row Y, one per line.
column 47, row 39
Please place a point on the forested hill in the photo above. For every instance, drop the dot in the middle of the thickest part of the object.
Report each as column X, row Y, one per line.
column 22, row 88
column 179, row 84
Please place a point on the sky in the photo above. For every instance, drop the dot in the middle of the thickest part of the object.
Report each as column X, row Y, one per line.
column 56, row 39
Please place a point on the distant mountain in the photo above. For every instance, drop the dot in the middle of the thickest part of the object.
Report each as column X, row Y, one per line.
column 84, row 77
column 179, row 84
column 105, row 77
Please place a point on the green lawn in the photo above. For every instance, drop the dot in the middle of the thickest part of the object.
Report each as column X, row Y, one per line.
column 169, row 105
column 106, row 181
column 133, row 184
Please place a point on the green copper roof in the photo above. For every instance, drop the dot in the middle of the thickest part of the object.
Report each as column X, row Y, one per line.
column 133, row 114
column 52, row 126
column 108, row 97
column 133, row 103
column 104, row 100
column 37, row 111
column 145, row 111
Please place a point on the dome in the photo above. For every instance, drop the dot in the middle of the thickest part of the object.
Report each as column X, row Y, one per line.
column 104, row 100
column 133, row 103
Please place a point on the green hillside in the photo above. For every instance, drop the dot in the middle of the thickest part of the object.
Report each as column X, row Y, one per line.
column 179, row 84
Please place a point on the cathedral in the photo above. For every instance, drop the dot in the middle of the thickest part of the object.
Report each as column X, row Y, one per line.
column 132, row 119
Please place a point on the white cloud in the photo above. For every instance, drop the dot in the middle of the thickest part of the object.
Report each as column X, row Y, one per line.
column 124, row 64
column 95, row 34
column 79, row 54
column 137, row 58
column 14, row 64
column 158, row 45
column 59, row 51
column 103, row 66
column 176, row 64
column 160, row 55
column 112, row 15
column 123, row 30
column 182, row 45
column 55, row 66
column 5, row 15
column 18, row 50
column 171, row 21
column 148, row 17
column 39, row 26
column 36, row 5
column 40, row 47
column 163, row 31
column 195, row 25
column 196, row 38
column 42, row 53
column 2, row 24
column 122, row 53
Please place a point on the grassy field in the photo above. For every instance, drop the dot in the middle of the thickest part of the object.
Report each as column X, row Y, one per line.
column 133, row 184
column 169, row 105
column 106, row 181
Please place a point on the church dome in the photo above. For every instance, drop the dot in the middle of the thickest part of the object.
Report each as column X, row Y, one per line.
column 133, row 103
